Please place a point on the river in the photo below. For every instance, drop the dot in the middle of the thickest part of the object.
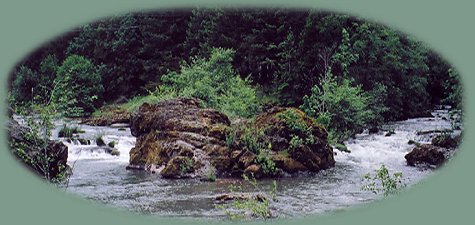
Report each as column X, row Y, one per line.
column 101, row 177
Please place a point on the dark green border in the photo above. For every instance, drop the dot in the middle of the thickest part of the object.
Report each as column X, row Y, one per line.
column 444, row 198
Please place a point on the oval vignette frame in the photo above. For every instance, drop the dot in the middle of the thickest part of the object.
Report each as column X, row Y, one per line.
column 350, row 213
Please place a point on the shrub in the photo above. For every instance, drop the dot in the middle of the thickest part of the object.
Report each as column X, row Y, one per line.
column 340, row 107
column 266, row 163
column 383, row 182
column 81, row 81
column 215, row 82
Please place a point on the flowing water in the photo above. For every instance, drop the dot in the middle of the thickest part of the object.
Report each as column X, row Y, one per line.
column 102, row 177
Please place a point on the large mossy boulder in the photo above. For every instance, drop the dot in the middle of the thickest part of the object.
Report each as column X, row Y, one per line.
column 296, row 140
column 178, row 139
column 176, row 131
column 49, row 162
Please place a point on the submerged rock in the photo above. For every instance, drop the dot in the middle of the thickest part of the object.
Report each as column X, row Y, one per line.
column 178, row 139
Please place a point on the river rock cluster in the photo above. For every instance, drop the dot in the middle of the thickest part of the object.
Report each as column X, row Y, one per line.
column 178, row 139
column 441, row 148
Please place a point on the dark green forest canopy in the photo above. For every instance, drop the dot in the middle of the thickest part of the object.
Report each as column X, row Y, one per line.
column 283, row 53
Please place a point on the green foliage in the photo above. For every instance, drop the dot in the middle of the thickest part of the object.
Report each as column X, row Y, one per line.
column 23, row 86
column 341, row 147
column 301, row 133
column 68, row 132
column 39, row 121
column 267, row 164
column 251, row 139
column 215, row 82
column 383, row 182
column 342, row 108
column 258, row 205
column 80, row 82
column 160, row 93
column 185, row 166
column 453, row 89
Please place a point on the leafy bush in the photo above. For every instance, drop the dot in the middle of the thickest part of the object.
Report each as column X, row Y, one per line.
column 80, row 81
column 340, row 107
column 383, row 182
column 301, row 132
column 215, row 82
column 266, row 163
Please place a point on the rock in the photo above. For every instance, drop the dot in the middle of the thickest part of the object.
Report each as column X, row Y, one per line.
column 27, row 149
column 111, row 115
column 278, row 125
column 170, row 130
column 178, row 167
column 246, row 159
column 426, row 154
column 173, row 132
column 83, row 141
column 254, row 171
column 181, row 114
column 373, row 130
column 115, row 152
column 288, row 164
column 389, row 133
column 445, row 141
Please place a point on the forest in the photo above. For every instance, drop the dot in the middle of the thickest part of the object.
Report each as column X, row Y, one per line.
column 348, row 73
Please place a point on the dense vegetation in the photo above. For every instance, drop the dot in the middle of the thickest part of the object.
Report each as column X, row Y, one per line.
column 347, row 73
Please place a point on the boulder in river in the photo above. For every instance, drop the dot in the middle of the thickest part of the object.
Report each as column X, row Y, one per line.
column 178, row 139
column 174, row 132
column 28, row 149
column 427, row 154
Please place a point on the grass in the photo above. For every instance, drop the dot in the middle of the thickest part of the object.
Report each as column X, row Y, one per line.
column 69, row 131
column 257, row 206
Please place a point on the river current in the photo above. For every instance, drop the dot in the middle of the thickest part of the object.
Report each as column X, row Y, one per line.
column 102, row 177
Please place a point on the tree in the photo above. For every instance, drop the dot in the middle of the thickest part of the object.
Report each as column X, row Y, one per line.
column 214, row 81
column 340, row 107
column 78, row 77
column 24, row 84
